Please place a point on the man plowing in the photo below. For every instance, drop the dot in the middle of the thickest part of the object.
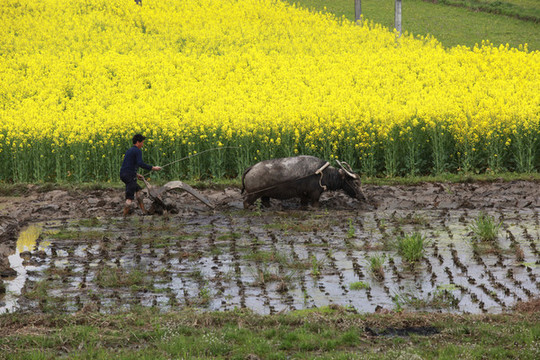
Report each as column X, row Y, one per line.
column 128, row 173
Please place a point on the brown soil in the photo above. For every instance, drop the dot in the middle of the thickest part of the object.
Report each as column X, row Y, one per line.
column 532, row 306
column 504, row 197
column 60, row 204
column 36, row 205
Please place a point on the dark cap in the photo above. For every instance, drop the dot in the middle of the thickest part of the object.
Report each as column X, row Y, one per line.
column 138, row 138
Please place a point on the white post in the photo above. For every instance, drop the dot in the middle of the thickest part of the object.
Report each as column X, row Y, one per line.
column 397, row 17
column 357, row 10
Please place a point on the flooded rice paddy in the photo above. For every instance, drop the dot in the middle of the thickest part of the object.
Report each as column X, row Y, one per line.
column 274, row 261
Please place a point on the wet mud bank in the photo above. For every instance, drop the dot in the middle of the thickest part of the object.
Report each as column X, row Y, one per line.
column 73, row 251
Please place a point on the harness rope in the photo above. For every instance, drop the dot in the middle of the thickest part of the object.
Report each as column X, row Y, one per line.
column 318, row 172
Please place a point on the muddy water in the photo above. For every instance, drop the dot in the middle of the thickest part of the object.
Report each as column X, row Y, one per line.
column 26, row 244
column 274, row 261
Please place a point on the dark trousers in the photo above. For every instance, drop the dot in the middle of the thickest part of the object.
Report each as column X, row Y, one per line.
column 131, row 185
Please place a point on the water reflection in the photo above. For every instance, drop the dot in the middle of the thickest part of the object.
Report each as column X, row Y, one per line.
column 27, row 241
column 247, row 262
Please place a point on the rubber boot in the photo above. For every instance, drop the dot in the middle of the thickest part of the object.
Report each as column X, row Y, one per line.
column 141, row 205
column 127, row 209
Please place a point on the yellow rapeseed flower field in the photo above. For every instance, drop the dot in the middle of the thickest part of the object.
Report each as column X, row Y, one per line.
column 256, row 78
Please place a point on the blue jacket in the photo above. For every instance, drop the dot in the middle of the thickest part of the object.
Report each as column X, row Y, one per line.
column 132, row 162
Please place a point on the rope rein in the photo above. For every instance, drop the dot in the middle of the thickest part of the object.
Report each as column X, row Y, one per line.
column 197, row 154
column 202, row 152
column 317, row 172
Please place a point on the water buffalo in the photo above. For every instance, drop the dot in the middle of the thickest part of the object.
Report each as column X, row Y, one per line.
column 303, row 176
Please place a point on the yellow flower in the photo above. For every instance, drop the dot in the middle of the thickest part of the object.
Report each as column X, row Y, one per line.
column 184, row 72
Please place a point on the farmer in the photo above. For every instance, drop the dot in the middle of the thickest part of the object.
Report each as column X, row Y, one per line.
column 128, row 173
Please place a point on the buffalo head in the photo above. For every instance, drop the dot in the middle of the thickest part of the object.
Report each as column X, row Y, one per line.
column 351, row 181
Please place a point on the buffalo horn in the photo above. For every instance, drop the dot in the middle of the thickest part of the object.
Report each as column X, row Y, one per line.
column 348, row 171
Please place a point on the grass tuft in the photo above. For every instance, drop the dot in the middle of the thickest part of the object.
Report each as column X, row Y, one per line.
column 376, row 265
column 411, row 247
column 359, row 285
column 485, row 228
column 108, row 277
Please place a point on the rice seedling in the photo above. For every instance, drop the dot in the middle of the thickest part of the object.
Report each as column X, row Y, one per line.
column 442, row 298
column 411, row 247
column 376, row 265
column 316, row 266
column 485, row 228
column 351, row 231
column 359, row 285
column 108, row 277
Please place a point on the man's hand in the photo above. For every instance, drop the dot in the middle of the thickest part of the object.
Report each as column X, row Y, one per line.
column 156, row 168
column 140, row 177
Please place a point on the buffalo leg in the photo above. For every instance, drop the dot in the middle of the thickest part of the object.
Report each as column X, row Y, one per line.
column 304, row 200
column 314, row 197
column 249, row 200
column 265, row 201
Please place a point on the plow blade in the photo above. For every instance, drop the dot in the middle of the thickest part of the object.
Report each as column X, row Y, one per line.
column 180, row 185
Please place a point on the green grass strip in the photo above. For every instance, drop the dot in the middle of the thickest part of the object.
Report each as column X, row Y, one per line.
column 518, row 9
column 332, row 332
